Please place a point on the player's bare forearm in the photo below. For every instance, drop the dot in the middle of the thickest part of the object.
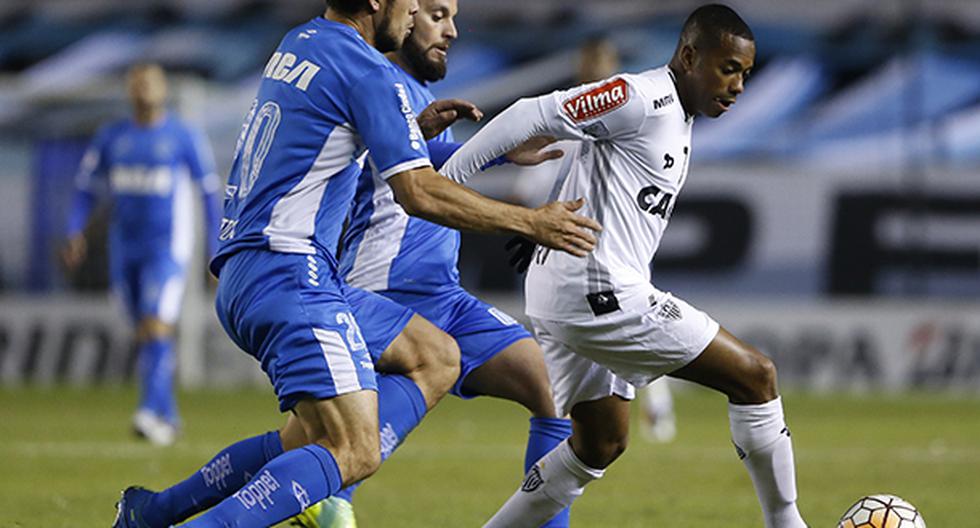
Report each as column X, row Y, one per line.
column 426, row 194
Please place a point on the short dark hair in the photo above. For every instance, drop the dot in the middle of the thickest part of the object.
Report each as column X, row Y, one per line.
column 346, row 6
column 708, row 23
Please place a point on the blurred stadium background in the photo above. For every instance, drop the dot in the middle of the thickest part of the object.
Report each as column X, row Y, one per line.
column 832, row 219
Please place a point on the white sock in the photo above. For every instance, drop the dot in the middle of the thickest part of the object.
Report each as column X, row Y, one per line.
column 550, row 486
column 763, row 443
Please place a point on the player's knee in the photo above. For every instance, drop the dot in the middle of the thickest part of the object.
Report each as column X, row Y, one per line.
column 447, row 355
column 614, row 447
column 760, row 379
column 366, row 461
column 358, row 456
column 538, row 398
column 440, row 360
column 599, row 452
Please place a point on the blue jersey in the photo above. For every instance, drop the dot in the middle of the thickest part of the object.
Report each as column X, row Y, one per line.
column 386, row 249
column 148, row 171
column 327, row 100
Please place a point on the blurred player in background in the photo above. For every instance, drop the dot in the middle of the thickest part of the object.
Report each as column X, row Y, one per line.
column 328, row 102
column 148, row 164
column 414, row 263
column 603, row 326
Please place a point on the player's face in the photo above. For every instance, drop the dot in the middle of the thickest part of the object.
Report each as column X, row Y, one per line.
column 394, row 22
column 147, row 87
column 719, row 74
column 426, row 49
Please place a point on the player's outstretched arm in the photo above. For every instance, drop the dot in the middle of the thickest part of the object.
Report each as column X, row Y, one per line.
column 425, row 193
column 602, row 110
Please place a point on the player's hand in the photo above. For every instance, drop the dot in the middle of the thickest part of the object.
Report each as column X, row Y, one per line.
column 73, row 252
column 557, row 226
column 440, row 114
column 522, row 252
column 532, row 151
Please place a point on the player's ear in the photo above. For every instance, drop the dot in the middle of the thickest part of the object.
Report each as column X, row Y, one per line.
column 374, row 6
column 688, row 57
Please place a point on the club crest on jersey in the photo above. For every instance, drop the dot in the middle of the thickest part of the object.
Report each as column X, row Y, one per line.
column 598, row 101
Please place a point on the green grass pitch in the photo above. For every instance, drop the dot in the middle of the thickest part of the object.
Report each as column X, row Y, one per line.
column 65, row 454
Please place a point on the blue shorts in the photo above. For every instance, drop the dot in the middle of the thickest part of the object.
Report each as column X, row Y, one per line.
column 380, row 318
column 289, row 312
column 480, row 330
column 150, row 287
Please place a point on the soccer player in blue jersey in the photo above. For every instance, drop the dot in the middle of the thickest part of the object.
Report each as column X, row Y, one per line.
column 329, row 102
column 148, row 164
column 414, row 262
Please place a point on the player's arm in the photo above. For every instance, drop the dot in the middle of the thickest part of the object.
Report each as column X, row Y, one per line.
column 532, row 152
column 200, row 163
column 602, row 110
column 425, row 193
column 93, row 165
column 399, row 154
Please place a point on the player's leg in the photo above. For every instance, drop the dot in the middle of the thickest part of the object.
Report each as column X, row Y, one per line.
column 308, row 342
column 417, row 365
column 758, row 427
column 499, row 358
column 344, row 452
column 598, row 403
column 158, row 294
column 518, row 374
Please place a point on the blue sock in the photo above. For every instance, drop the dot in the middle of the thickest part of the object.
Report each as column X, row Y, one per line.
column 284, row 487
column 156, row 367
column 228, row 471
column 401, row 406
column 545, row 435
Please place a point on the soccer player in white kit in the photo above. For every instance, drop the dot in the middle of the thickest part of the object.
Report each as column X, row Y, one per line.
column 603, row 326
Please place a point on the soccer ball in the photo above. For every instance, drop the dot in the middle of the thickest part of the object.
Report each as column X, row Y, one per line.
column 881, row 511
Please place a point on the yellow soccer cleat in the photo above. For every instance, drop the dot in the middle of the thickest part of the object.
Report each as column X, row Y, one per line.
column 332, row 512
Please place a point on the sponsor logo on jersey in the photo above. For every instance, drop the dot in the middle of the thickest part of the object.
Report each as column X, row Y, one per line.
column 647, row 200
column 414, row 132
column 598, row 101
column 532, row 481
column 136, row 179
column 227, row 231
column 663, row 101
column 258, row 492
column 282, row 67
column 215, row 473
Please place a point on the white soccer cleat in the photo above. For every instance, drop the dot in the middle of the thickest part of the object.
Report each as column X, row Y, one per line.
column 152, row 427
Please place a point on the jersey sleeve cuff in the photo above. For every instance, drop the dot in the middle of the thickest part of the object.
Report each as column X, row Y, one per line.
column 406, row 166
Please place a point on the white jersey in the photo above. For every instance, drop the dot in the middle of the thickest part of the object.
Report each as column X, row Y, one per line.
column 635, row 146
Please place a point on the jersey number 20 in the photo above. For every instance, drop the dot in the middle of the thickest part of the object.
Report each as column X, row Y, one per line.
column 261, row 132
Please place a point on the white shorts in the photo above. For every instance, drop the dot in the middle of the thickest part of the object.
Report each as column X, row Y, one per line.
column 590, row 360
